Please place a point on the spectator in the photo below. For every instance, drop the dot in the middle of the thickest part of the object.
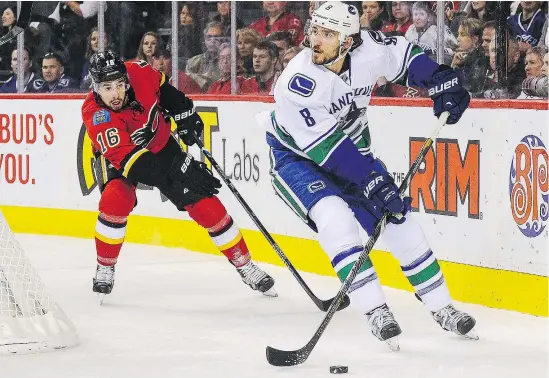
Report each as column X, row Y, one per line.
column 278, row 19
column 162, row 61
column 10, row 86
column 402, row 18
column 223, row 16
column 373, row 15
column 8, row 22
column 53, row 78
column 204, row 68
column 223, row 85
column 289, row 54
column 265, row 59
column 480, row 10
column 190, row 31
column 424, row 32
column 282, row 39
column 535, row 85
column 92, row 46
column 545, row 67
column 148, row 47
column 488, row 34
column 544, row 41
column 246, row 39
column 527, row 25
column 469, row 41
column 511, row 86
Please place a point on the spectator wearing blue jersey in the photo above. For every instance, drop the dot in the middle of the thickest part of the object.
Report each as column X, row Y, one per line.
column 527, row 25
column 10, row 86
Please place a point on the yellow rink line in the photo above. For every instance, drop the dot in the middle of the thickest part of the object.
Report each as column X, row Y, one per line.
column 502, row 289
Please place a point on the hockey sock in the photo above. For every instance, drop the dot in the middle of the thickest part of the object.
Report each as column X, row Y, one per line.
column 407, row 242
column 339, row 236
column 109, row 236
column 212, row 215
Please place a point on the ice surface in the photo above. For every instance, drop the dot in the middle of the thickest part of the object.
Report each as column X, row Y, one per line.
column 174, row 313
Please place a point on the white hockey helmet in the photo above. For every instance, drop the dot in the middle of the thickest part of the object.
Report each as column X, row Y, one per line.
column 339, row 17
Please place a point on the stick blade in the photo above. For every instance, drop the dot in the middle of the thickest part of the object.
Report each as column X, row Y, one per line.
column 325, row 305
column 277, row 357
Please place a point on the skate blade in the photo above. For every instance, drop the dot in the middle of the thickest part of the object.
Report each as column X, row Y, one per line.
column 471, row 335
column 270, row 293
column 393, row 344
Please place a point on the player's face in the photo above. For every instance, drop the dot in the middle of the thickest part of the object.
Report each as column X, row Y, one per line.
column 113, row 93
column 545, row 64
column 324, row 43
column 533, row 65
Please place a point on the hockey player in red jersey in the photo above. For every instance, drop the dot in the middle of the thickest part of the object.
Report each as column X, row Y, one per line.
column 124, row 116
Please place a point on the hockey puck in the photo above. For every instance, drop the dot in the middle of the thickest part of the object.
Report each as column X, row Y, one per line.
column 339, row 369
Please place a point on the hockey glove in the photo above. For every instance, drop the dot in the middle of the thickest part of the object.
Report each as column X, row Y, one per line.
column 194, row 175
column 382, row 195
column 448, row 95
column 188, row 123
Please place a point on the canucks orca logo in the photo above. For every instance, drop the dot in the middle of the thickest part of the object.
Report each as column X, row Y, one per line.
column 302, row 85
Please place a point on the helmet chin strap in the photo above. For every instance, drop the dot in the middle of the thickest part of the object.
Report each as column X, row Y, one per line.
column 339, row 55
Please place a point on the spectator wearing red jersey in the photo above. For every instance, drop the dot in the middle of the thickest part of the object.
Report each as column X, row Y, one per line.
column 265, row 60
column 162, row 61
column 278, row 19
column 402, row 18
column 246, row 40
column 223, row 85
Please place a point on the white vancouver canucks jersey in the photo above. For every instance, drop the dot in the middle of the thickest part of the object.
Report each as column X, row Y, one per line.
column 316, row 109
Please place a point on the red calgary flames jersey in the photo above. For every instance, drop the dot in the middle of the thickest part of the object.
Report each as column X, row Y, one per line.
column 111, row 131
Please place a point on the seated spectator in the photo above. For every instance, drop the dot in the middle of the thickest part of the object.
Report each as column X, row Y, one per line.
column 373, row 15
column 92, row 46
column 535, row 84
column 162, row 61
column 265, row 59
column 223, row 16
column 204, row 68
column 511, row 85
column 527, row 25
column 10, row 86
column 148, row 46
column 289, row 54
column 402, row 18
column 53, row 78
column 424, row 32
column 278, row 19
column 488, row 34
column 282, row 39
column 246, row 39
column 469, row 43
column 190, row 33
column 223, row 85
column 8, row 22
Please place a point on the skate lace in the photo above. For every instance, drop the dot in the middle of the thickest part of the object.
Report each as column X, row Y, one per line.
column 251, row 273
column 449, row 317
column 104, row 273
column 380, row 318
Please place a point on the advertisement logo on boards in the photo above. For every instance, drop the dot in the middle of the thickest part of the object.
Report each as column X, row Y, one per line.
column 445, row 177
column 528, row 186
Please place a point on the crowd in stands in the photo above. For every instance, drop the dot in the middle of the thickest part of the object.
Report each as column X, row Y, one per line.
column 63, row 36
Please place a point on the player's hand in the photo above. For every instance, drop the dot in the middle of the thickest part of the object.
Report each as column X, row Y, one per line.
column 382, row 195
column 448, row 94
column 188, row 123
column 194, row 175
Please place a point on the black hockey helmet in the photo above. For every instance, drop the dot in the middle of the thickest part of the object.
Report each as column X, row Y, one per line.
column 107, row 66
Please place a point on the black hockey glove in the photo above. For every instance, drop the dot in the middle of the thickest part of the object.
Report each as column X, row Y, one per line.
column 188, row 123
column 448, row 94
column 382, row 195
column 194, row 175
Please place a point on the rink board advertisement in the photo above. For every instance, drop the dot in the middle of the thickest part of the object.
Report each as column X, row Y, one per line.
column 481, row 194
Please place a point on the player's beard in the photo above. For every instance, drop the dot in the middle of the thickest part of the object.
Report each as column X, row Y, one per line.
column 325, row 57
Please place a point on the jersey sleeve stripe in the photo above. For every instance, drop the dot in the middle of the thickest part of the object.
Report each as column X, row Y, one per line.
column 134, row 155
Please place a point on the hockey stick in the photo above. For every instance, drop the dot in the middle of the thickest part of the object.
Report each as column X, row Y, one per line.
column 323, row 305
column 23, row 21
column 279, row 357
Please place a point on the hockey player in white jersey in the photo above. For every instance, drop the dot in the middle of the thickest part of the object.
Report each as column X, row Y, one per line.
column 323, row 169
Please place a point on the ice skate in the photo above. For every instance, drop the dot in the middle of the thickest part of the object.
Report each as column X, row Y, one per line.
column 103, row 281
column 257, row 279
column 384, row 326
column 460, row 323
